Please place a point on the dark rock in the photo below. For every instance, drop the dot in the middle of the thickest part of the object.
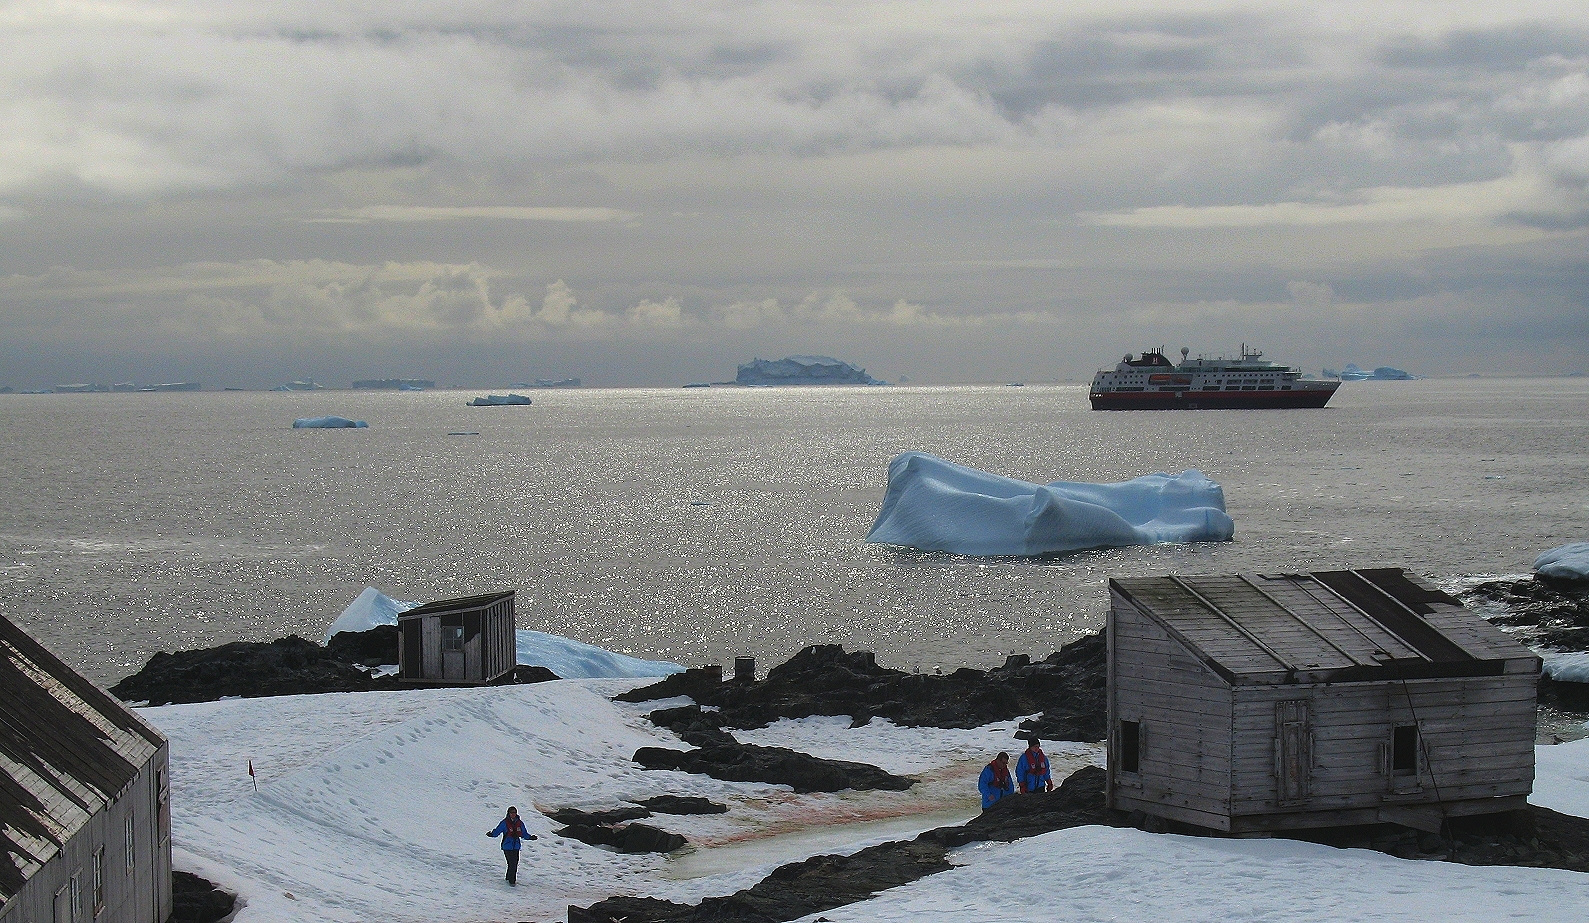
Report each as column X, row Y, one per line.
column 522, row 675
column 573, row 817
column 194, row 900
column 737, row 762
column 250, row 669
column 1546, row 613
column 286, row 666
column 683, row 804
column 1068, row 687
column 1563, row 695
column 629, row 838
column 373, row 648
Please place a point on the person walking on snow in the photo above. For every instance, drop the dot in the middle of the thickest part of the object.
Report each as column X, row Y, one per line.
column 1031, row 773
column 512, row 831
column 996, row 782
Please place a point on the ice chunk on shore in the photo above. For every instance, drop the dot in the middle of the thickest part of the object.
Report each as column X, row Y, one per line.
column 937, row 505
column 1567, row 668
column 1569, row 562
column 566, row 657
column 370, row 609
column 328, row 423
column 572, row 659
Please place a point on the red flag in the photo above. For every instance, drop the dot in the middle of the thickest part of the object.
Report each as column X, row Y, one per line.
column 251, row 769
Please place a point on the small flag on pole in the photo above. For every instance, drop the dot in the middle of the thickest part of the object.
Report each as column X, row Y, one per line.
column 252, row 776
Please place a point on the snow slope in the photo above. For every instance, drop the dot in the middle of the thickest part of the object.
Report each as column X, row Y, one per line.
column 374, row 806
column 937, row 505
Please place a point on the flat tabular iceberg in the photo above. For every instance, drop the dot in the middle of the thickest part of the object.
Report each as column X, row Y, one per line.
column 1569, row 562
column 937, row 505
column 566, row 657
column 328, row 423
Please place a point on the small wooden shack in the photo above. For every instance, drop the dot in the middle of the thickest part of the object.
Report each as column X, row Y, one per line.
column 85, row 798
column 455, row 641
column 1251, row 703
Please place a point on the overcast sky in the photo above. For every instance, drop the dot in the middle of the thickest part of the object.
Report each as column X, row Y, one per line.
column 484, row 191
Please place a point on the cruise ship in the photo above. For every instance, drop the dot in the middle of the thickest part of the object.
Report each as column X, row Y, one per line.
column 1152, row 382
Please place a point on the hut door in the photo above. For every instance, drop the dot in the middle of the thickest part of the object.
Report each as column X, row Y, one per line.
column 1293, row 746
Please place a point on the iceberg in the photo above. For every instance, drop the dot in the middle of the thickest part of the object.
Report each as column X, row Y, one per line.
column 500, row 400
column 1382, row 373
column 936, row 505
column 1569, row 562
column 328, row 423
column 566, row 657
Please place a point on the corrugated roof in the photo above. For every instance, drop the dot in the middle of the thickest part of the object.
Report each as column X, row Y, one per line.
column 453, row 605
column 67, row 748
column 1323, row 626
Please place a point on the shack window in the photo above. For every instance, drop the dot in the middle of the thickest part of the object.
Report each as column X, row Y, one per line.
column 99, row 880
column 1404, row 750
column 128, row 843
column 452, row 637
column 1130, row 746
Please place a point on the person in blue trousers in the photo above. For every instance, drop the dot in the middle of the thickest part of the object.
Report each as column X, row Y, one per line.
column 512, row 831
column 996, row 782
column 1031, row 773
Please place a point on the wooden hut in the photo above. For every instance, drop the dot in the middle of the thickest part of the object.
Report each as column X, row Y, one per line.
column 85, row 812
column 1250, row 703
column 469, row 640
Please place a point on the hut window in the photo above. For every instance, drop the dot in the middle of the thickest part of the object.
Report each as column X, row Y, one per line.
column 1130, row 746
column 1404, row 750
column 128, row 843
column 99, row 880
column 452, row 637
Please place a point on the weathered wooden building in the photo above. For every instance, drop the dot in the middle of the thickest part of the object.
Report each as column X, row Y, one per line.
column 85, row 813
column 1249, row 703
column 469, row 640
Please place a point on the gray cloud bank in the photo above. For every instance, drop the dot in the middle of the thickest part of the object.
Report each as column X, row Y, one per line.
column 644, row 193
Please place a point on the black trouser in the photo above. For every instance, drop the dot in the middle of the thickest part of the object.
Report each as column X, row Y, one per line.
column 512, row 855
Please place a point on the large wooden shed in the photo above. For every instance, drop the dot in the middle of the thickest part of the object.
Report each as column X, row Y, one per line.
column 1251, row 703
column 468, row 640
column 85, row 809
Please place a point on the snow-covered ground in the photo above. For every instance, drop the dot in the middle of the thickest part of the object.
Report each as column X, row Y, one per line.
column 375, row 806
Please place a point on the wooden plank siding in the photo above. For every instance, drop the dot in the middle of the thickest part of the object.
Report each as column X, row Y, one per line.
column 1184, row 714
column 1274, row 702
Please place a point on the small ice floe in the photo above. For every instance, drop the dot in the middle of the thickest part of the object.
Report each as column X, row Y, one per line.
column 1568, row 562
column 937, row 505
column 328, row 423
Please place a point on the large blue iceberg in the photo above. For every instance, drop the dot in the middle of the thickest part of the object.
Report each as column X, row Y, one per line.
column 1569, row 562
column 937, row 505
column 566, row 657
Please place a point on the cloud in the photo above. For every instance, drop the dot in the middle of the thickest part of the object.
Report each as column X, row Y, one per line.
column 416, row 213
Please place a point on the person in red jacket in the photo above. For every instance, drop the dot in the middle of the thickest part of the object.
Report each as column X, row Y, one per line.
column 512, row 831
column 1031, row 773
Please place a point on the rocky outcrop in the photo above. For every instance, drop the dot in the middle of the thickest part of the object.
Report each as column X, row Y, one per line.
column 286, row 666
column 737, row 762
column 628, row 838
column 1068, row 688
column 683, row 804
column 1546, row 613
column 195, row 900
column 373, row 648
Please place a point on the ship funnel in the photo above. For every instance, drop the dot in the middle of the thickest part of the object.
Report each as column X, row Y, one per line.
column 1184, row 351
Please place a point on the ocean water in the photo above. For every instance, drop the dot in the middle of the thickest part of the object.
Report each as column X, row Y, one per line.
column 702, row 524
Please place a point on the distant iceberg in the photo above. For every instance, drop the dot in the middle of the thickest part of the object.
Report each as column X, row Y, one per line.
column 1569, row 562
column 566, row 657
column 500, row 400
column 937, row 505
column 328, row 423
column 802, row 370
column 1382, row 373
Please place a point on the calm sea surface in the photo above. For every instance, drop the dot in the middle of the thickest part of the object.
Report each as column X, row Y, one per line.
column 700, row 524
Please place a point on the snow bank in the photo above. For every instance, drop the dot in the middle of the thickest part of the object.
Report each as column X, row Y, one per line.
column 328, row 423
column 1106, row 873
column 566, row 657
column 1569, row 562
column 1561, row 778
column 1569, row 668
column 937, row 505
